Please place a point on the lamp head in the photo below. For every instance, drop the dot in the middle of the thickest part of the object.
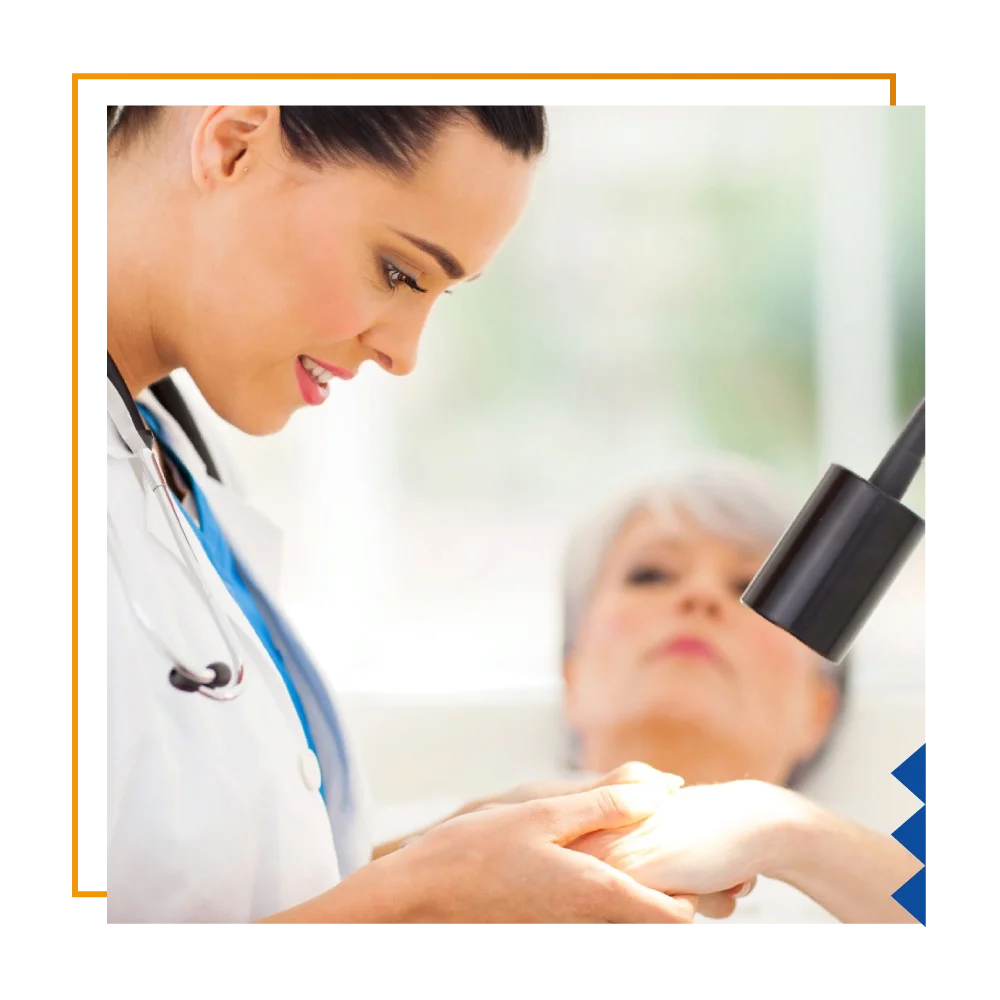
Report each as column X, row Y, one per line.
column 833, row 565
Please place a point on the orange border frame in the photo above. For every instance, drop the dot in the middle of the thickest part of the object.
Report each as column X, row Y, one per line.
column 890, row 77
column 74, row 493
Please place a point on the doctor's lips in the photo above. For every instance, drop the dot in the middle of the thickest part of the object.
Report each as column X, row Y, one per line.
column 314, row 378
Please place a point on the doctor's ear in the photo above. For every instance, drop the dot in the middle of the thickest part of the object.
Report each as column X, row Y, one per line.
column 228, row 140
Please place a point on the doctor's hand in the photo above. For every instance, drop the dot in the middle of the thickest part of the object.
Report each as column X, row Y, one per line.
column 513, row 858
column 508, row 864
column 701, row 839
column 630, row 773
column 717, row 903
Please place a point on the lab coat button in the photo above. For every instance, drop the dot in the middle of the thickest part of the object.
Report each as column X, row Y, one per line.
column 309, row 767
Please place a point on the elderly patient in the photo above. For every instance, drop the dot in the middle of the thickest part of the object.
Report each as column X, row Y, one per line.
column 667, row 674
column 664, row 665
column 661, row 661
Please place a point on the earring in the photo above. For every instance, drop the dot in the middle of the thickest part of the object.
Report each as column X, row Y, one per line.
column 246, row 170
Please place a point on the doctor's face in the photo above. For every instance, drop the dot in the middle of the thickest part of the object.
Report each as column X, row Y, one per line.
column 293, row 276
column 666, row 653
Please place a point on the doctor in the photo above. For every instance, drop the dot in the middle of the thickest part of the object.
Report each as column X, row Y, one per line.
column 271, row 252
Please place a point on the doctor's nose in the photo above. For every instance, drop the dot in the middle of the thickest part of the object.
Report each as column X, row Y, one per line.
column 395, row 348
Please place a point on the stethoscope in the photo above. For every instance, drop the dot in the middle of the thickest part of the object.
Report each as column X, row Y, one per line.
column 217, row 680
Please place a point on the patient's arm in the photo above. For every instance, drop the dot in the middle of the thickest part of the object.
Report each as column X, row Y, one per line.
column 850, row 871
column 707, row 837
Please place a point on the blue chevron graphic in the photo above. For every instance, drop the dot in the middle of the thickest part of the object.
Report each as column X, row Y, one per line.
column 912, row 773
column 912, row 896
column 913, row 835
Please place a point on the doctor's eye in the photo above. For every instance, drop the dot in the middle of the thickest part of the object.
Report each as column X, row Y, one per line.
column 643, row 576
column 394, row 277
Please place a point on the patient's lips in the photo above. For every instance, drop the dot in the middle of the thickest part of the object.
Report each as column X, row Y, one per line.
column 688, row 647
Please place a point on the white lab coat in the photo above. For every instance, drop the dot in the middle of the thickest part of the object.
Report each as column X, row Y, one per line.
column 214, row 810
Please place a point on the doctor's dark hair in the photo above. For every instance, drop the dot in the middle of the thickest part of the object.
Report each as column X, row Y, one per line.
column 731, row 497
column 393, row 138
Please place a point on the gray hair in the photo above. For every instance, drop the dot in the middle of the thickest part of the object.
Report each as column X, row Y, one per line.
column 728, row 495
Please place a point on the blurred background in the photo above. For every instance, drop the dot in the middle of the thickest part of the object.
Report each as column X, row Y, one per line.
column 746, row 279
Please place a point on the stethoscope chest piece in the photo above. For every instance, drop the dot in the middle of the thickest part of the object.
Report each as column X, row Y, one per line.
column 182, row 679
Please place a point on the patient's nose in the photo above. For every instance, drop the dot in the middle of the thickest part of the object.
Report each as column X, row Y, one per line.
column 701, row 594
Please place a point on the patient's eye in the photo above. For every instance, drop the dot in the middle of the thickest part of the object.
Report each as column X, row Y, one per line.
column 645, row 575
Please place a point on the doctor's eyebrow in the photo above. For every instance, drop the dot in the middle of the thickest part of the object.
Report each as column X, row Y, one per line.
column 448, row 263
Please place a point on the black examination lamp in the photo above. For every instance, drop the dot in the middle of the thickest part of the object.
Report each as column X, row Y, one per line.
column 832, row 566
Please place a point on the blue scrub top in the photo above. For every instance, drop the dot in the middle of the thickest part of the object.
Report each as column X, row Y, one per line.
column 234, row 576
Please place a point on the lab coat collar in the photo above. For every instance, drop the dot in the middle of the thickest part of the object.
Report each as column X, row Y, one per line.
column 116, row 445
column 255, row 538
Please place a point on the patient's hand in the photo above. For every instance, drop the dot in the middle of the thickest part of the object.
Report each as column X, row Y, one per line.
column 702, row 839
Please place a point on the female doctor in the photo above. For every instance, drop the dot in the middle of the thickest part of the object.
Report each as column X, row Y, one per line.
column 271, row 252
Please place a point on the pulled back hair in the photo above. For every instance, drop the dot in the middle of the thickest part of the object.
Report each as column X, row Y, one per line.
column 392, row 138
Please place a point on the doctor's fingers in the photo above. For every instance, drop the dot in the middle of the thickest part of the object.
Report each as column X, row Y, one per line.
column 608, row 896
column 635, row 771
column 565, row 818
column 535, row 790
column 562, row 815
column 631, row 773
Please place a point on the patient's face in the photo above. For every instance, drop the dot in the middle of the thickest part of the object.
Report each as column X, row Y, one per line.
column 666, row 649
